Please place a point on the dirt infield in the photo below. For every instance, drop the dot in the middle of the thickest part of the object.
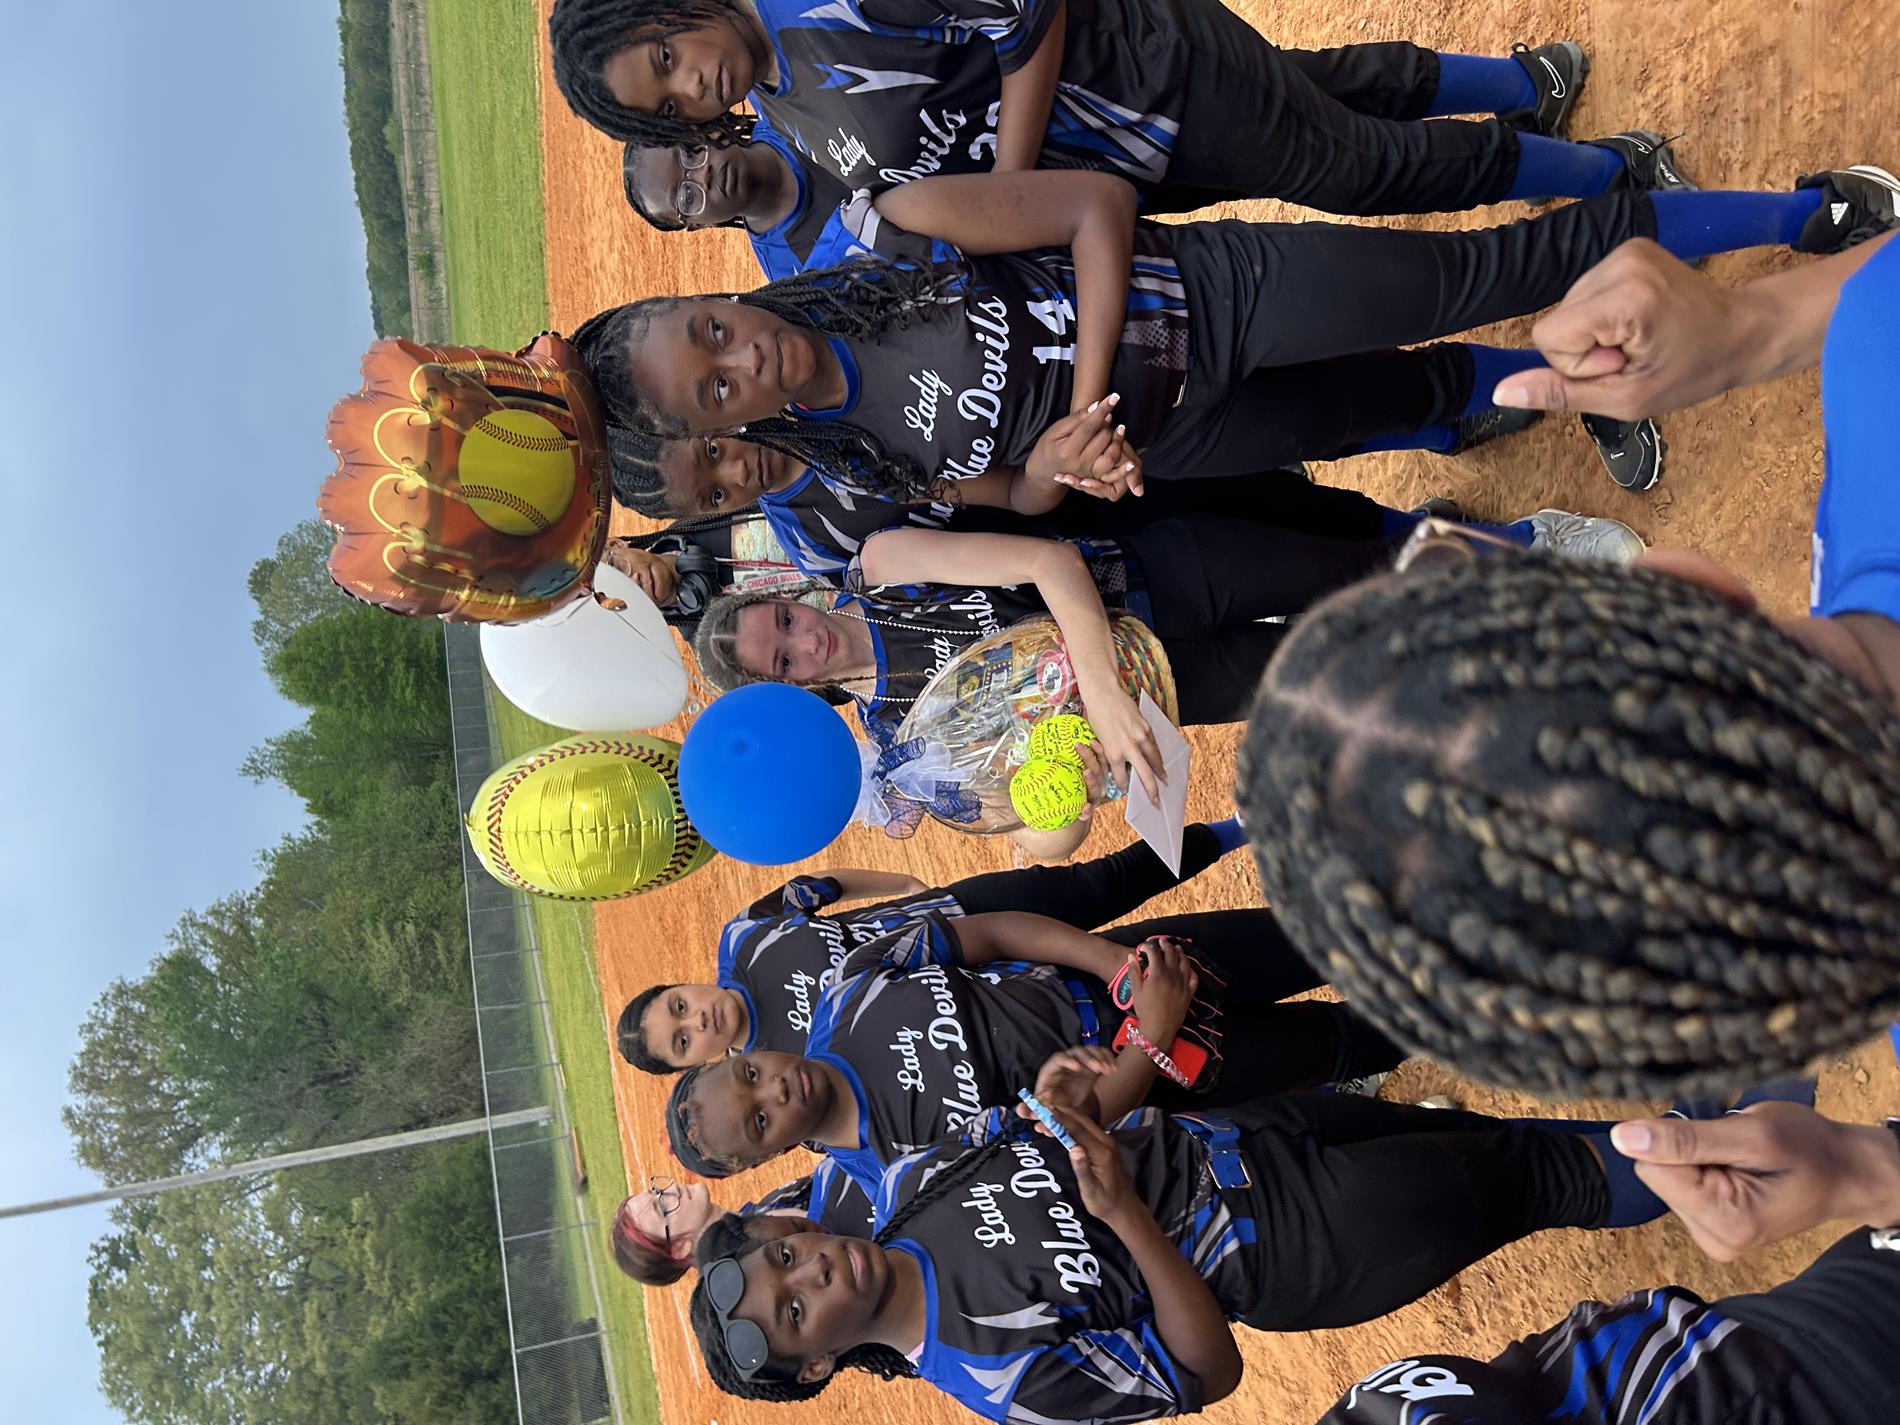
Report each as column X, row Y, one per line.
column 1761, row 92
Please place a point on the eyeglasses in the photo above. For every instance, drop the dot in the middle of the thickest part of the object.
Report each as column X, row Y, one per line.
column 689, row 199
column 666, row 1198
column 1435, row 543
column 745, row 1340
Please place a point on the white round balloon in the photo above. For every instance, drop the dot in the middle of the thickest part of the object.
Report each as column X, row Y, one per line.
column 588, row 668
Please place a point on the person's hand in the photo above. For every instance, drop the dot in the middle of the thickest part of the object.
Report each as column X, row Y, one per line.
column 1116, row 471
column 1639, row 334
column 1768, row 1172
column 1067, row 1080
column 654, row 573
column 1123, row 737
column 1163, row 996
column 1099, row 1173
column 1074, row 447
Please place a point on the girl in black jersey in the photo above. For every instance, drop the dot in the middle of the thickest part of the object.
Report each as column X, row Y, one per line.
column 821, row 519
column 1202, row 584
column 1036, row 1285
column 919, row 1031
column 1181, row 96
column 1231, row 346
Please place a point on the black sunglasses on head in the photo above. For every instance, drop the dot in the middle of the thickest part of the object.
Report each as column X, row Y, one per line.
column 745, row 1340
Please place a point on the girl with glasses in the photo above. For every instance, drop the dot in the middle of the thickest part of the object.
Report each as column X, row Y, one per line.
column 655, row 1231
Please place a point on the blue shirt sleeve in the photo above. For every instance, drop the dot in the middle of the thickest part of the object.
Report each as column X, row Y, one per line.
column 1015, row 27
column 1856, row 565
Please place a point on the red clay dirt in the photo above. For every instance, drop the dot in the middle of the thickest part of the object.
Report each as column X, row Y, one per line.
column 1759, row 92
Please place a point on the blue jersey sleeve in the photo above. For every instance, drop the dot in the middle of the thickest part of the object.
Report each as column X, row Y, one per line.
column 1015, row 27
column 1857, row 524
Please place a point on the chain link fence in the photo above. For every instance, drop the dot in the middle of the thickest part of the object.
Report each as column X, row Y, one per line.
column 556, row 1332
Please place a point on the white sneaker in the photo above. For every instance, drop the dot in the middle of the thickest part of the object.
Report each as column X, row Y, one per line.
column 1571, row 536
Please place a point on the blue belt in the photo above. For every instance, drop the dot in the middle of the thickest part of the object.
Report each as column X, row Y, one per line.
column 1085, row 1011
column 1222, row 1141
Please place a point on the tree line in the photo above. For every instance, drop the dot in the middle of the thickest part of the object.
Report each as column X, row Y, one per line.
column 330, row 1001
column 369, row 112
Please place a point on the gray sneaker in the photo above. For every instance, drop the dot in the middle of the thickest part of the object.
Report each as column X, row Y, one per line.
column 1584, row 537
column 1365, row 1086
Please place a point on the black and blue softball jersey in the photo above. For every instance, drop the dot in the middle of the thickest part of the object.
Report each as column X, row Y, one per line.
column 926, row 1045
column 1036, row 1311
column 813, row 234
column 878, row 92
column 822, row 519
column 1659, row 1357
column 828, row 1195
column 780, row 952
column 971, row 386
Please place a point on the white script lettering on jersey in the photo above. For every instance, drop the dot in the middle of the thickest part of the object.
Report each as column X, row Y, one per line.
column 961, row 1096
column 1077, row 1267
column 939, row 137
column 1413, row 1381
column 801, row 987
column 847, row 151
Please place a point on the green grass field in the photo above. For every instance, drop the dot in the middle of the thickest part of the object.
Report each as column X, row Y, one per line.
column 483, row 65
column 565, row 933
column 484, row 69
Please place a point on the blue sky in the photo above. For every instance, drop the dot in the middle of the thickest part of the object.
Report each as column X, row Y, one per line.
column 181, row 281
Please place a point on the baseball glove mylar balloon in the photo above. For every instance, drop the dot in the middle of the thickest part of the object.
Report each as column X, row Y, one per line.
column 470, row 484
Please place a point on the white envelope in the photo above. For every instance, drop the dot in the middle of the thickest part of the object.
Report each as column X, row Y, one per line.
column 1162, row 824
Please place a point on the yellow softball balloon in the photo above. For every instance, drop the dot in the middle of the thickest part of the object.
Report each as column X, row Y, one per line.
column 588, row 819
column 1057, row 738
column 516, row 472
column 1048, row 795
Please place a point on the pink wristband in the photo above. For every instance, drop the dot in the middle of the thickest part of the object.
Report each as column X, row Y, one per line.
column 1159, row 1055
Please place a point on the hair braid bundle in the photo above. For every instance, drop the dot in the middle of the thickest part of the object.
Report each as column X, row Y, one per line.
column 1580, row 829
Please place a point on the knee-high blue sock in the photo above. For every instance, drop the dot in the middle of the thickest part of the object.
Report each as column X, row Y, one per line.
column 1393, row 522
column 1697, row 225
column 1229, row 835
column 1490, row 365
column 1631, row 1202
column 1478, row 84
column 1551, row 168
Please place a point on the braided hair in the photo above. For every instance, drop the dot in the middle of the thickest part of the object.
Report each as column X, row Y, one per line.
column 1580, row 830
column 631, row 1039
column 639, row 475
column 585, row 34
column 682, row 1127
column 861, row 300
column 777, row 1379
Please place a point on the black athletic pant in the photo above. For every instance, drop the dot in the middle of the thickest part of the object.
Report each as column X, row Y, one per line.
column 1282, row 496
column 1266, row 1046
column 1306, row 127
column 1090, row 893
column 1362, row 1206
column 1293, row 326
column 1209, row 579
column 1841, row 1319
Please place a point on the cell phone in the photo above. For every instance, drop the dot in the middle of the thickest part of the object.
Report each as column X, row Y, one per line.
column 1189, row 1055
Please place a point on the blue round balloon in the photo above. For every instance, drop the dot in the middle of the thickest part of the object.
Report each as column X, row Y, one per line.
column 769, row 773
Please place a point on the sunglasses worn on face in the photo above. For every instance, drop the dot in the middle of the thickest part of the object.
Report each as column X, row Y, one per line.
column 1435, row 543
column 745, row 1340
